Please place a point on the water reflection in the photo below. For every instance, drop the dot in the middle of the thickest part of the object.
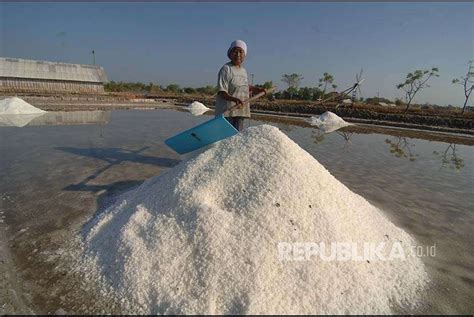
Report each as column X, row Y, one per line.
column 346, row 135
column 56, row 118
column 17, row 120
column 402, row 143
column 402, row 148
column 365, row 129
column 450, row 158
column 317, row 136
column 287, row 128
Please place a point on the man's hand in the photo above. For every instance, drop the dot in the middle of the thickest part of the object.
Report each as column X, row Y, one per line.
column 228, row 97
column 239, row 102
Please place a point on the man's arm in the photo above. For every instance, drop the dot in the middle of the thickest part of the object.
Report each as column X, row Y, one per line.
column 225, row 95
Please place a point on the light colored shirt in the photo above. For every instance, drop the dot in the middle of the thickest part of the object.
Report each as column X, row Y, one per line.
column 233, row 80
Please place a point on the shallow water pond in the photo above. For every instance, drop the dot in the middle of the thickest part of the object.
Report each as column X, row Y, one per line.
column 58, row 170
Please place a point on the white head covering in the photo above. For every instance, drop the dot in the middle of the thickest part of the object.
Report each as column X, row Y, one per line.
column 237, row 43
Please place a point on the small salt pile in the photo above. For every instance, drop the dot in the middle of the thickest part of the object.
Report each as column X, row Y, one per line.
column 17, row 105
column 205, row 237
column 197, row 108
column 327, row 122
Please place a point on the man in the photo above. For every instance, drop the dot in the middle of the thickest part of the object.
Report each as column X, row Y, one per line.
column 233, row 86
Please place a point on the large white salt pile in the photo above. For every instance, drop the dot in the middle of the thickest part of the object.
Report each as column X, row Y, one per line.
column 327, row 122
column 205, row 237
column 17, row 105
column 197, row 108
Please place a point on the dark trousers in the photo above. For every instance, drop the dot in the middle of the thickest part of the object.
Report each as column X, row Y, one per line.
column 237, row 122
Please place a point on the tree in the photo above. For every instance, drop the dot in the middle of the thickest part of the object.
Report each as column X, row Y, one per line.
column 416, row 81
column 126, row 86
column 291, row 93
column 189, row 90
column 149, row 87
column 305, row 93
column 208, row 90
column 465, row 82
column 376, row 100
column 293, row 81
column 317, row 93
column 325, row 81
column 173, row 88
column 399, row 102
column 155, row 88
column 268, row 85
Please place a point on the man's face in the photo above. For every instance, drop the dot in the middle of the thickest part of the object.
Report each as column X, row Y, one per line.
column 237, row 56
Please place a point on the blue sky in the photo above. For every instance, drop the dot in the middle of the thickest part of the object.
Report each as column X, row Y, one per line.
column 186, row 43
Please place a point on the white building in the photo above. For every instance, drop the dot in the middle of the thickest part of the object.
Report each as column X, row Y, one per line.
column 31, row 76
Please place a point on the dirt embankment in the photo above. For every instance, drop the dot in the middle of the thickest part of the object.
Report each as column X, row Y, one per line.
column 361, row 113
column 369, row 113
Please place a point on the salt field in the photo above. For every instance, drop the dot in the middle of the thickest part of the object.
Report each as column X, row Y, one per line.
column 58, row 178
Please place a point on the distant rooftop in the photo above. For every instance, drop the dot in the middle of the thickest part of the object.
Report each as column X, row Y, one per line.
column 32, row 69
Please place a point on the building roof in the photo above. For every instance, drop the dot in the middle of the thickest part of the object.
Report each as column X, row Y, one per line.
column 32, row 69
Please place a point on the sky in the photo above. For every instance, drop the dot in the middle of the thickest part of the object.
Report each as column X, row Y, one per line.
column 186, row 43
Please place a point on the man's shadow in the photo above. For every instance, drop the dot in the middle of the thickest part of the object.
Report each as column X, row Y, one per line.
column 114, row 157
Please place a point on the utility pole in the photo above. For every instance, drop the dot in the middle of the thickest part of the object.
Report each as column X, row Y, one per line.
column 252, row 78
column 93, row 57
